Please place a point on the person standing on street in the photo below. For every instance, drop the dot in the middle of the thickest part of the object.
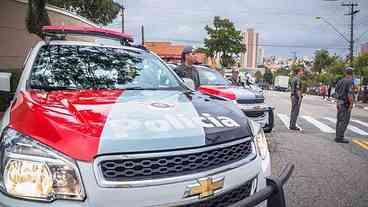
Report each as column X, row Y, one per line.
column 296, row 98
column 345, row 101
column 186, row 69
column 329, row 91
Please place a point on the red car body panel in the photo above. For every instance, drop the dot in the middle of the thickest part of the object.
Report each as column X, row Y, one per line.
column 69, row 121
column 217, row 91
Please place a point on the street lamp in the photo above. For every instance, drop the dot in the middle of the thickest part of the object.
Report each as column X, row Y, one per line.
column 334, row 28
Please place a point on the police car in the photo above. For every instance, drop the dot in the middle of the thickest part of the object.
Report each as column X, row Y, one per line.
column 101, row 125
column 248, row 98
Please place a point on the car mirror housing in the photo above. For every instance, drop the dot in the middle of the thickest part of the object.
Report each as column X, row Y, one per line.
column 189, row 83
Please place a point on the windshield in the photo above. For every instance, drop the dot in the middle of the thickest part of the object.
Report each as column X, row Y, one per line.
column 84, row 67
column 208, row 77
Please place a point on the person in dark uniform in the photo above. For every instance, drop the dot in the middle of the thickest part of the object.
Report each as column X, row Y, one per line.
column 296, row 98
column 186, row 69
column 235, row 77
column 345, row 97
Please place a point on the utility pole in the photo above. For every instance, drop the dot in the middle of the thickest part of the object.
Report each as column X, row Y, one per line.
column 122, row 17
column 142, row 30
column 351, row 14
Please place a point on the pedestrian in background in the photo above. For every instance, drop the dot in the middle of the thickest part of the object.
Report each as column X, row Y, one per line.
column 296, row 98
column 345, row 101
column 329, row 91
column 323, row 91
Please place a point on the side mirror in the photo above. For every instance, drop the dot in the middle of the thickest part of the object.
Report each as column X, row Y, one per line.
column 189, row 83
column 6, row 95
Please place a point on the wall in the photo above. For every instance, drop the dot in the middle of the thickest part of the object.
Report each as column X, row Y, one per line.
column 15, row 40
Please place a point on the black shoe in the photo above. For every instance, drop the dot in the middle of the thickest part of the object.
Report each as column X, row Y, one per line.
column 295, row 128
column 344, row 141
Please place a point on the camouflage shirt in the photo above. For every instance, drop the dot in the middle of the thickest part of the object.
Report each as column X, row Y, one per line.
column 296, row 85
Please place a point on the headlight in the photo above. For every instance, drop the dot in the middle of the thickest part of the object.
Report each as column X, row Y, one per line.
column 260, row 139
column 31, row 170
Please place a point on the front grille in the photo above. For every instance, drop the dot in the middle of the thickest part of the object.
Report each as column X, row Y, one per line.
column 227, row 198
column 250, row 101
column 173, row 165
column 254, row 114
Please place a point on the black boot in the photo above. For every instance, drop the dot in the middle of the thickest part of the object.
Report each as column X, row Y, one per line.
column 341, row 140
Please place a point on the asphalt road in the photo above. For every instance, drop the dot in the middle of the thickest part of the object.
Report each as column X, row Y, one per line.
column 326, row 173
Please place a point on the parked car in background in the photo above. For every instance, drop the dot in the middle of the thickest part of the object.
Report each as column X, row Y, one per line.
column 249, row 98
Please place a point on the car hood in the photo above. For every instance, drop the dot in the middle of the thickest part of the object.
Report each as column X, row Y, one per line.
column 83, row 124
column 232, row 92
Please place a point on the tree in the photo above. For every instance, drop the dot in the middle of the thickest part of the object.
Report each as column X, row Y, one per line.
column 224, row 41
column 268, row 76
column 258, row 76
column 37, row 17
column 282, row 71
column 100, row 11
column 361, row 67
column 322, row 60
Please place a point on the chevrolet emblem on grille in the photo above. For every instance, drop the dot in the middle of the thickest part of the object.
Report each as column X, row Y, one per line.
column 204, row 188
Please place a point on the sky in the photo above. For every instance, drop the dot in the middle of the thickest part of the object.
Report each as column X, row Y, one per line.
column 284, row 26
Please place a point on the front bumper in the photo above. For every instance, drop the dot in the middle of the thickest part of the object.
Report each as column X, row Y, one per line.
column 271, row 191
column 260, row 113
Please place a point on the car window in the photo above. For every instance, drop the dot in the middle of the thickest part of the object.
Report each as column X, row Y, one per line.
column 83, row 67
column 207, row 77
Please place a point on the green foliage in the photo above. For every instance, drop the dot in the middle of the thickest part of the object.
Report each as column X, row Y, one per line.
column 335, row 70
column 268, row 76
column 37, row 17
column 361, row 66
column 322, row 60
column 98, row 11
column 224, row 41
column 282, row 71
column 258, row 75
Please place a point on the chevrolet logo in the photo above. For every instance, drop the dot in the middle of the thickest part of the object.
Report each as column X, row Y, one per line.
column 204, row 188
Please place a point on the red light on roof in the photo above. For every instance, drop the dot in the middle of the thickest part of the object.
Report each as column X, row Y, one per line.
column 91, row 31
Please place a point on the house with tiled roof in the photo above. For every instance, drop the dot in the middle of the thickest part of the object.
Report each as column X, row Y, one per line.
column 166, row 50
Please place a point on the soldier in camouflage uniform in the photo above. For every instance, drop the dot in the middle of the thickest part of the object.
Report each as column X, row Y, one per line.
column 296, row 98
column 345, row 97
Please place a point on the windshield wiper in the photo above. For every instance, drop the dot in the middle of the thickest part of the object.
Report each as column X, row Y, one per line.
column 53, row 88
column 138, row 88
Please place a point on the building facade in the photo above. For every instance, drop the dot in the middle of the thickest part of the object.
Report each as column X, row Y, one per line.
column 16, row 41
column 249, row 58
column 364, row 48
column 260, row 56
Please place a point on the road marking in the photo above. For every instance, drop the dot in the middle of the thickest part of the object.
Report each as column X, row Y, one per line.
column 323, row 127
column 350, row 127
column 360, row 122
column 362, row 143
column 286, row 120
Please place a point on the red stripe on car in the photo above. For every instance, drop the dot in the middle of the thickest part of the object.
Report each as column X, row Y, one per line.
column 217, row 91
column 68, row 121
